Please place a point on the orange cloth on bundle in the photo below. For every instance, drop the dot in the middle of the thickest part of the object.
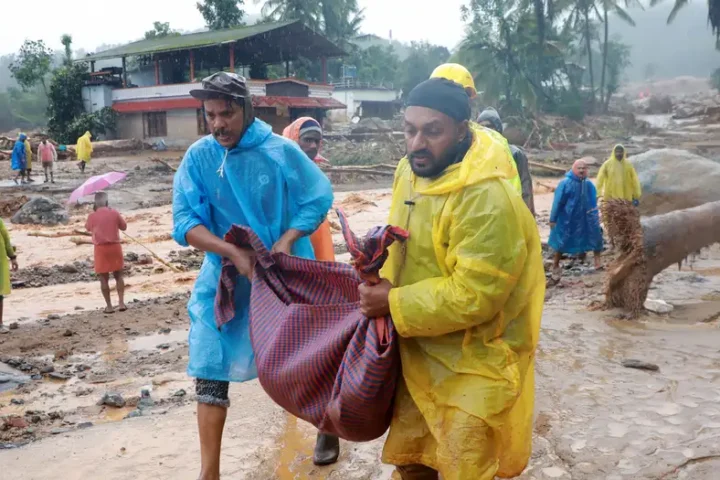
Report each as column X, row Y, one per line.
column 321, row 239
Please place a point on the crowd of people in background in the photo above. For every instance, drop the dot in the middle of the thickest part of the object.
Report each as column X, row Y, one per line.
column 22, row 157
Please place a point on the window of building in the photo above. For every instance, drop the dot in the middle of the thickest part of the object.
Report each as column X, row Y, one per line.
column 155, row 124
column 202, row 126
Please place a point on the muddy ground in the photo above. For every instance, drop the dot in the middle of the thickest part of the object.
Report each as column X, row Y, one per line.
column 595, row 418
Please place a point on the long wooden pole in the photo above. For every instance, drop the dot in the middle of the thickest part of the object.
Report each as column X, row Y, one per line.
column 155, row 255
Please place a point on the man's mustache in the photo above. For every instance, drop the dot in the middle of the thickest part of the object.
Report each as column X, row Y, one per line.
column 220, row 132
column 421, row 153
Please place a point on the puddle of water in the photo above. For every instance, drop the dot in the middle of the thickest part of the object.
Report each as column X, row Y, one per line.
column 150, row 342
column 111, row 414
column 296, row 451
column 117, row 349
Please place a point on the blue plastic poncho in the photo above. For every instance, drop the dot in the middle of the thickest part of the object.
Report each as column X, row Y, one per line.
column 266, row 183
column 576, row 218
column 19, row 157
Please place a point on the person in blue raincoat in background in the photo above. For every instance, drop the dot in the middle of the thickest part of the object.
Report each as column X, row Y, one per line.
column 574, row 219
column 19, row 159
column 241, row 174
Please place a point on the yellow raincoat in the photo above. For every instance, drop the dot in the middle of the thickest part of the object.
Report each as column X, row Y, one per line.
column 6, row 252
column 28, row 154
column 469, row 294
column 618, row 179
column 84, row 148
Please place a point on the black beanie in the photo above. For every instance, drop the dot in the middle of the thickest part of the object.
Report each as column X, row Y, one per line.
column 443, row 96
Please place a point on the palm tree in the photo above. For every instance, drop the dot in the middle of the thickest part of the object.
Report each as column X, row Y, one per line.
column 307, row 11
column 713, row 15
column 67, row 40
column 612, row 6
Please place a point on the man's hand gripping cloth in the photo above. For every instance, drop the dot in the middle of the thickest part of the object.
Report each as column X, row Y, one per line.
column 317, row 356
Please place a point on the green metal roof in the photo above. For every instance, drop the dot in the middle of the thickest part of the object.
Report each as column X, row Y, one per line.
column 267, row 42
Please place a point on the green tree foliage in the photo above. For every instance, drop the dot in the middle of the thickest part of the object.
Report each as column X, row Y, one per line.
column 377, row 66
column 20, row 109
column 618, row 59
column 220, row 14
column 66, row 41
column 160, row 30
column 419, row 65
column 67, row 118
column 32, row 64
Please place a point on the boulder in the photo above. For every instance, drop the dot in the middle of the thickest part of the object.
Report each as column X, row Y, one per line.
column 41, row 211
column 674, row 180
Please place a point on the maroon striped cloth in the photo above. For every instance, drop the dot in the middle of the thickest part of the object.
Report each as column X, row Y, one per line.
column 317, row 356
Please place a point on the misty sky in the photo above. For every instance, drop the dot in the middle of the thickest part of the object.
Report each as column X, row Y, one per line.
column 93, row 23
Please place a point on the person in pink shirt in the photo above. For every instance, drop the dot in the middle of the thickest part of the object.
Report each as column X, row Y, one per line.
column 105, row 225
column 47, row 155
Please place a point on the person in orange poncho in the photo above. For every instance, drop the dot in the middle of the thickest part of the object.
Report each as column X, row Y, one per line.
column 307, row 132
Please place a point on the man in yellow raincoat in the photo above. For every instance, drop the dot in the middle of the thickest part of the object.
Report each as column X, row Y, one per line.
column 466, row 293
column 28, row 156
column 462, row 76
column 618, row 179
column 84, row 150
column 7, row 260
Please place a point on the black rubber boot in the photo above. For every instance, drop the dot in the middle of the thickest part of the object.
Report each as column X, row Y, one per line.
column 327, row 450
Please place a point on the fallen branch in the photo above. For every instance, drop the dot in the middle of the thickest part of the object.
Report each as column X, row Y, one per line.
column 59, row 234
column 155, row 255
column 163, row 162
column 548, row 167
column 688, row 462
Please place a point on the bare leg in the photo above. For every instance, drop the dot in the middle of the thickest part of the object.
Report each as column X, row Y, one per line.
column 1, row 312
column 105, row 289
column 45, row 169
column 120, row 284
column 598, row 261
column 211, row 422
column 556, row 260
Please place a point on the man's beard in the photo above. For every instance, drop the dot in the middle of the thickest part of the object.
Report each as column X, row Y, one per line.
column 437, row 166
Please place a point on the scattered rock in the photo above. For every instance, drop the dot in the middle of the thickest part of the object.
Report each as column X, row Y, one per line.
column 58, row 376
column 14, row 422
column 112, row 400
column 640, row 365
column 78, row 308
column 41, row 211
column 84, row 425
column 55, row 316
column 68, row 333
column 144, row 260
column 69, row 268
column 59, row 431
column 179, row 393
column 13, row 326
column 165, row 331
column 163, row 346
column 61, row 354
column 131, row 257
column 134, row 414
column 45, row 369
column 84, row 392
column 658, row 306
column 17, row 401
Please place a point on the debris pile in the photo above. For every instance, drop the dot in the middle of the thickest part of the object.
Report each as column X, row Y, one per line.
column 10, row 206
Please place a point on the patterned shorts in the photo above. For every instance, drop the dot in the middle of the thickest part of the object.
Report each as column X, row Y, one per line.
column 212, row 392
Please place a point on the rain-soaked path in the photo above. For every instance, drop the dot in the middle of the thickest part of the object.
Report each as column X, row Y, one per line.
column 595, row 419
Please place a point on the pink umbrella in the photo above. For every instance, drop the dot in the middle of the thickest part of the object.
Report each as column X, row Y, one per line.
column 96, row 184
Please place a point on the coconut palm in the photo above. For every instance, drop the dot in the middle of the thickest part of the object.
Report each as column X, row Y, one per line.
column 713, row 15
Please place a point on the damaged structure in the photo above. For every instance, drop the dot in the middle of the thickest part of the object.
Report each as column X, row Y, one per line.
column 151, row 90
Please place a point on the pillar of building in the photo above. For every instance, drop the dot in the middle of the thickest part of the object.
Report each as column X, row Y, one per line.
column 192, row 66
column 323, row 62
column 157, row 70
column 124, row 67
column 92, row 66
column 232, row 57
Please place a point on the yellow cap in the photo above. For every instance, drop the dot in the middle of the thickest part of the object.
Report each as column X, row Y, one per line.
column 458, row 74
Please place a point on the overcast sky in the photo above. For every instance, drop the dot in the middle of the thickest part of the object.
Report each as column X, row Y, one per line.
column 93, row 23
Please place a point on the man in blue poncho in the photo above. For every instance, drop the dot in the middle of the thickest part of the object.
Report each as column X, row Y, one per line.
column 19, row 159
column 574, row 219
column 241, row 174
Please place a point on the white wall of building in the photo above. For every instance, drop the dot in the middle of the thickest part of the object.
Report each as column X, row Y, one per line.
column 353, row 98
column 97, row 97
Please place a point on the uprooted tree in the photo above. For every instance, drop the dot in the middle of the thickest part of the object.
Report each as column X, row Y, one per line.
column 649, row 245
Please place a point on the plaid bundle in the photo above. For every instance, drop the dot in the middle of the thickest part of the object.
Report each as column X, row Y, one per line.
column 317, row 356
